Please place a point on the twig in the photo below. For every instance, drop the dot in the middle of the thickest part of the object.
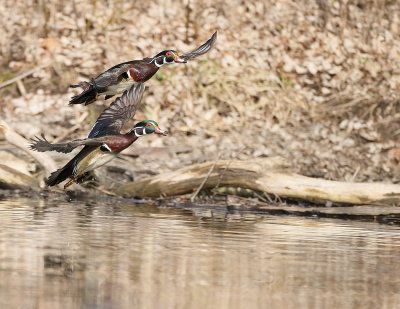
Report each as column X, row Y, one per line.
column 72, row 129
column 17, row 140
column 224, row 170
column 268, row 197
column 355, row 173
column 192, row 198
column 22, row 76
column 21, row 87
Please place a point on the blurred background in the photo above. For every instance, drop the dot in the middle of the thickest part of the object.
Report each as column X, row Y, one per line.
column 316, row 82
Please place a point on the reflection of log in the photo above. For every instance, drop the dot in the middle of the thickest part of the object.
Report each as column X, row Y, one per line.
column 17, row 140
column 13, row 179
column 262, row 175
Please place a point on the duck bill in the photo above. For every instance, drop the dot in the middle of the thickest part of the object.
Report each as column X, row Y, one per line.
column 161, row 132
column 179, row 59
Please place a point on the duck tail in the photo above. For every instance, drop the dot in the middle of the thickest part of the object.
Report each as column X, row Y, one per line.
column 61, row 174
column 87, row 96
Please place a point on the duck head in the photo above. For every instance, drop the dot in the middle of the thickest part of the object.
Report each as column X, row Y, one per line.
column 167, row 57
column 147, row 127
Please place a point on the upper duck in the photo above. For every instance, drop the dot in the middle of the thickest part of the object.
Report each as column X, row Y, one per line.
column 122, row 76
column 104, row 141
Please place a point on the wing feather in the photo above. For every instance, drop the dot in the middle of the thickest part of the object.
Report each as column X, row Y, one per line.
column 113, row 118
column 110, row 122
column 41, row 144
column 112, row 76
column 201, row 49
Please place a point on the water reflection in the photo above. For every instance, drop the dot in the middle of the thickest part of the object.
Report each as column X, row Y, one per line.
column 55, row 254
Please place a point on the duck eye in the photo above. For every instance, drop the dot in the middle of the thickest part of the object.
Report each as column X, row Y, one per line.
column 148, row 125
column 168, row 54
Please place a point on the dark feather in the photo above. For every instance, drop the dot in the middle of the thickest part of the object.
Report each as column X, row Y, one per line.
column 202, row 49
column 61, row 174
column 87, row 96
column 110, row 122
column 113, row 118
column 68, row 170
column 83, row 84
column 42, row 144
column 113, row 75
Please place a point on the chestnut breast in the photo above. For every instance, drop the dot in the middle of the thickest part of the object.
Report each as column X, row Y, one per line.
column 118, row 143
column 142, row 72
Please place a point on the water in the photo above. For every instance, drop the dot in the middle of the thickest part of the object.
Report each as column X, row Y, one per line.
column 55, row 254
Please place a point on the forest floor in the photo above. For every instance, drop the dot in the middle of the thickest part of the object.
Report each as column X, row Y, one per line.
column 314, row 82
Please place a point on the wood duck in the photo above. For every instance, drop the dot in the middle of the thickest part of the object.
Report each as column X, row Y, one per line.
column 122, row 76
column 104, row 141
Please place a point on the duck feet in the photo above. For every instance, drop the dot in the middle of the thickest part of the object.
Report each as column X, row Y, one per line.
column 70, row 182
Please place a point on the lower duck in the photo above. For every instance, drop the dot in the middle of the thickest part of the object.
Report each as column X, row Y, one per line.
column 104, row 141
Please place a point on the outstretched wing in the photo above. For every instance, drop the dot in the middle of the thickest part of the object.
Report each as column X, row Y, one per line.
column 110, row 122
column 42, row 144
column 202, row 49
column 113, row 118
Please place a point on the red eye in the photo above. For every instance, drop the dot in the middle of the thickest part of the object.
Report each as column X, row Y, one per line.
column 169, row 54
column 148, row 125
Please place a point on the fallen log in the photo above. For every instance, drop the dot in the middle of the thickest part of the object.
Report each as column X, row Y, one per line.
column 17, row 140
column 263, row 175
column 7, row 158
column 12, row 179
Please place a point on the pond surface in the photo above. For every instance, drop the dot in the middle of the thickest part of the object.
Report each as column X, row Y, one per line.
column 58, row 254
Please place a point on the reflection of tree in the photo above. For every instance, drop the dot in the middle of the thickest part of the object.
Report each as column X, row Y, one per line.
column 83, row 255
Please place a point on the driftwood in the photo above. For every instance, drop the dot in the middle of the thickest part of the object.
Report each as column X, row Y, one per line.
column 7, row 158
column 12, row 179
column 17, row 140
column 262, row 175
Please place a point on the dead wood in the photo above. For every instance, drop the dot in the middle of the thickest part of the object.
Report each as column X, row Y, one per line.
column 263, row 175
column 12, row 179
column 7, row 158
column 17, row 140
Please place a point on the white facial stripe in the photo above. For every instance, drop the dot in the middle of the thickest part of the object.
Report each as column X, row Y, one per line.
column 158, row 65
column 143, row 132
column 129, row 74
column 155, row 62
column 163, row 63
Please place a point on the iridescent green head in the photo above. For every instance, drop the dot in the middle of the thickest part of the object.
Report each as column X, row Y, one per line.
column 147, row 127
